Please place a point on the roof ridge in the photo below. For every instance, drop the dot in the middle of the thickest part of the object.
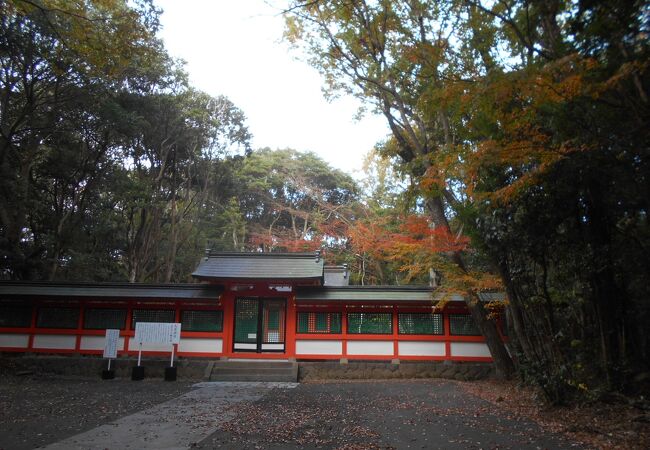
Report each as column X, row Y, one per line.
column 125, row 284
column 213, row 254
column 376, row 287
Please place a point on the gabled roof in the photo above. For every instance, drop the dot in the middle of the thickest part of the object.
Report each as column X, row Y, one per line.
column 14, row 289
column 261, row 266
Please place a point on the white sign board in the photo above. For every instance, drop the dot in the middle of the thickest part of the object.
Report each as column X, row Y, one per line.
column 110, row 343
column 157, row 333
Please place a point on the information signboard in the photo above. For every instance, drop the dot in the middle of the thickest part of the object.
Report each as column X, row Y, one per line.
column 110, row 343
column 157, row 333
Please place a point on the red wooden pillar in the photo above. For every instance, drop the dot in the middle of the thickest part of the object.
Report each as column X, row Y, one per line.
column 127, row 329
column 32, row 327
column 445, row 316
column 80, row 326
column 290, row 338
column 227, row 299
column 344, row 331
column 395, row 332
column 177, row 313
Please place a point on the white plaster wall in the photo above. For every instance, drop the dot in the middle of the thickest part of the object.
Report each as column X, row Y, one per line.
column 53, row 341
column 242, row 346
column 97, row 343
column 470, row 349
column 14, row 340
column 419, row 348
column 200, row 345
column 370, row 348
column 149, row 347
column 323, row 347
column 272, row 347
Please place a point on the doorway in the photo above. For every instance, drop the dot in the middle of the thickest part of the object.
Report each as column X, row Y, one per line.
column 259, row 324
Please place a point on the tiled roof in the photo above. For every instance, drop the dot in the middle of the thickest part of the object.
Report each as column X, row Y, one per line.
column 366, row 294
column 387, row 294
column 9, row 289
column 261, row 266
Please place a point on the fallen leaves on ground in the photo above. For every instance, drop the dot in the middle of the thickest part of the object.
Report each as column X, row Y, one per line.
column 599, row 425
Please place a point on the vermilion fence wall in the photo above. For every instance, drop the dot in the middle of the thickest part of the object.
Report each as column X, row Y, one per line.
column 307, row 346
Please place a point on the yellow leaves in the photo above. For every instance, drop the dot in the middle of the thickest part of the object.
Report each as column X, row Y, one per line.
column 433, row 180
column 293, row 29
column 106, row 36
column 522, row 144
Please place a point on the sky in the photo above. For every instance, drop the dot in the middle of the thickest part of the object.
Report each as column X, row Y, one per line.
column 234, row 48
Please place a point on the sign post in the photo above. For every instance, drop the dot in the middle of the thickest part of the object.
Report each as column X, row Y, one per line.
column 156, row 333
column 110, row 352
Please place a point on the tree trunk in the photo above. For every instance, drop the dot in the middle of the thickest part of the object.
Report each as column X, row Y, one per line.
column 503, row 364
column 502, row 361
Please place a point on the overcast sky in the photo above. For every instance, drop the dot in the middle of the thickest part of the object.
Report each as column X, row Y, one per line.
column 233, row 48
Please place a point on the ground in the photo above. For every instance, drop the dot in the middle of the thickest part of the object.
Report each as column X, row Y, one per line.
column 66, row 413
column 39, row 410
column 615, row 421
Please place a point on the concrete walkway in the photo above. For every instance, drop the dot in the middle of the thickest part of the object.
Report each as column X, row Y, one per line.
column 176, row 424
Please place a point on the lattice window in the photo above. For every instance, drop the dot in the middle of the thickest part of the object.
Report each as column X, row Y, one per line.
column 53, row 317
column 246, row 320
column 103, row 318
column 273, row 312
column 420, row 323
column 153, row 315
column 319, row 322
column 15, row 316
column 463, row 325
column 202, row 320
column 370, row 323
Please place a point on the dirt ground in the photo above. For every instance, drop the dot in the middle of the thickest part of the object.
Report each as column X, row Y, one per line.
column 39, row 410
column 419, row 414
column 374, row 414
column 619, row 423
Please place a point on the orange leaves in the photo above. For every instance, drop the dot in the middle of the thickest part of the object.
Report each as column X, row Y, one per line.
column 416, row 247
column 301, row 245
column 525, row 138
column 283, row 242
column 370, row 237
column 416, row 233
column 411, row 241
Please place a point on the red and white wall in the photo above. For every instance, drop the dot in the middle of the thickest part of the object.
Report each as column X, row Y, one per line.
column 303, row 346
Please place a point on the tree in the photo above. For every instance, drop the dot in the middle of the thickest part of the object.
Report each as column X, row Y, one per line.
column 290, row 198
column 523, row 122
column 398, row 56
column 175, row 144
column 60, row 65
column 107, row 157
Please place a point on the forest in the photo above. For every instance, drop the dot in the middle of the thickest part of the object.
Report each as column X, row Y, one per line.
column 518, row 161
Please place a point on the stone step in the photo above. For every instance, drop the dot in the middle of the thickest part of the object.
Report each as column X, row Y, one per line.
column 283, row 378
column 254, row 371
column 253, row 364
column 246, row 370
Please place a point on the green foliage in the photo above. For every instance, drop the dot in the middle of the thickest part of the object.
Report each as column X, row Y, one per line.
column 523, row 124
column 108, row 160
column 290, row 199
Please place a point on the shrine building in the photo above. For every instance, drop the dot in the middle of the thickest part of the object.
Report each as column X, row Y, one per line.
column 286, row 306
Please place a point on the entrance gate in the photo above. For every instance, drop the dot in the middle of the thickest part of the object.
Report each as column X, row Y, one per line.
column 259, row 324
